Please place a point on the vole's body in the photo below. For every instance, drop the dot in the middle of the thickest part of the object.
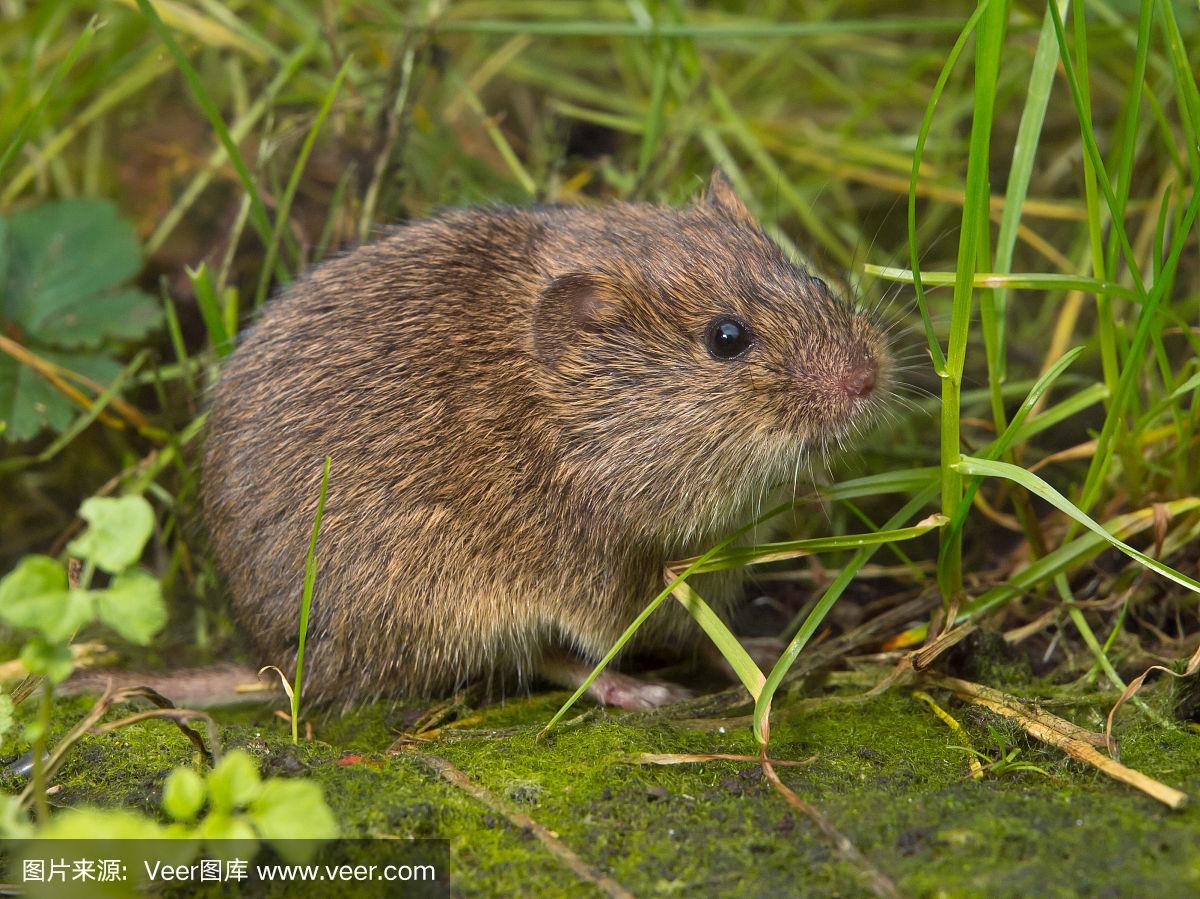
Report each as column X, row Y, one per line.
column 525, row 423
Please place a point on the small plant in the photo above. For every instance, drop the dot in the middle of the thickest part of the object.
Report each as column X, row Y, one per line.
column 231, row 802
column 64, row 302
column 39, row 598
column 1006, row 760
column 237, row 804
column 293, row 688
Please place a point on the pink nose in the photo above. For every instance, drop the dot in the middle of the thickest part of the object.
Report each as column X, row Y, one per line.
column 860, row 380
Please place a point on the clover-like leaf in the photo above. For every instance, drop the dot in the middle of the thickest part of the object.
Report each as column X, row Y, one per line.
column 114, row 823
column 67, row 262
column 117, row 533
column 133, row 606
column 35, row 596
column 234, row 782
column 292, row 815
column 226, row 836
column 183, row 794
column 34, row 575
column 53, row 660
column 14, row 820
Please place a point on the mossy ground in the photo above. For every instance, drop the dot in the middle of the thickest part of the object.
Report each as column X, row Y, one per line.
column 886, row 772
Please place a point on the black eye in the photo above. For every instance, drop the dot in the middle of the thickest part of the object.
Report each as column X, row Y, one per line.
column 727, row 338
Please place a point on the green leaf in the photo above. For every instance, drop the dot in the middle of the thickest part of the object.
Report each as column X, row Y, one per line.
column 34, row 575
column 14, row 822
column 35, row 596
column 125, row 314
column 228, row 831
column 183, row 794
column 6, row 713
column 727, row 644
column 234, row 782
column 133, row 606
column 117, row 533
column 113, row 823
column 30, row 403
column 54, row 660
column 791, row 549
column 63, row 273
column 292, row 810
column 67, row 257
column 1035, row 485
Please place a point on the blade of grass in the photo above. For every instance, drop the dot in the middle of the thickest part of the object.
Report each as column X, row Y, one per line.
column 258, row 211
column 989, row 40
column 762, row 705
column 64, row 66
column 935, row 347
column 1011, row 432
column 993, row 468
column 310, row 580
column 238, row 131
column 1017, row 281
column 1029, row 132
column 699, row 31
column 637, row 622
column 210, row 309
column 722, row 637
column 284, row 211
column 793, row 549
column 1098, row 469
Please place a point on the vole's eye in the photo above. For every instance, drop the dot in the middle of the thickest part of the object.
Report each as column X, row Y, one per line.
column 727, row 338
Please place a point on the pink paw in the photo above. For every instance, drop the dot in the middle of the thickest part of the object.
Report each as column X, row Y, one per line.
column 626, row 692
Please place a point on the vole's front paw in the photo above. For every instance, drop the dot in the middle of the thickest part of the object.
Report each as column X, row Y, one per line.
column 626, row 692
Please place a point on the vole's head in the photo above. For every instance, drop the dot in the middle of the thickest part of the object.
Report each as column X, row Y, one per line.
column 680, row 345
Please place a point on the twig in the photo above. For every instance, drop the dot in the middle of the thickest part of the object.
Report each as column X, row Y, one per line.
column 1075, row 741
column 180, row 718
column 878, row 882
column 57, row 376
column 98, row 711
column 1193, row 665
column 688, row 758
column 456, row 777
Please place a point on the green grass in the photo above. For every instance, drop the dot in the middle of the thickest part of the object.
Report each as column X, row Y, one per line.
column 1032, row 172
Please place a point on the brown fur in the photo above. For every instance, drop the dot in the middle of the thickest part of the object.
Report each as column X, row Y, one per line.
column 525, row 425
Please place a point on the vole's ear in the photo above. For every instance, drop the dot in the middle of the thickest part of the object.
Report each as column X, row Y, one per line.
column 722, row 197
column 569, row 306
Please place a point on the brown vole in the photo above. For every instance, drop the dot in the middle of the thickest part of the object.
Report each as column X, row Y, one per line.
column 529, row 412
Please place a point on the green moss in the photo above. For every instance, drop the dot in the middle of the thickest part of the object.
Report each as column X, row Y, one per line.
column 885, row 772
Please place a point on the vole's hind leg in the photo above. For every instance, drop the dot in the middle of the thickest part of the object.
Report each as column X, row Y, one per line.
column 611, row 687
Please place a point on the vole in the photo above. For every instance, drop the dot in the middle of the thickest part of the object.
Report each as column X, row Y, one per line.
column 529, row 412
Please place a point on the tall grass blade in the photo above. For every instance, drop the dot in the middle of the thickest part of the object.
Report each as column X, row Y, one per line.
column 992, row 468
column 310, row 580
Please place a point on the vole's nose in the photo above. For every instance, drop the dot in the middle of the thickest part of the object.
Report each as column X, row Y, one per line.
column 859, row 380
